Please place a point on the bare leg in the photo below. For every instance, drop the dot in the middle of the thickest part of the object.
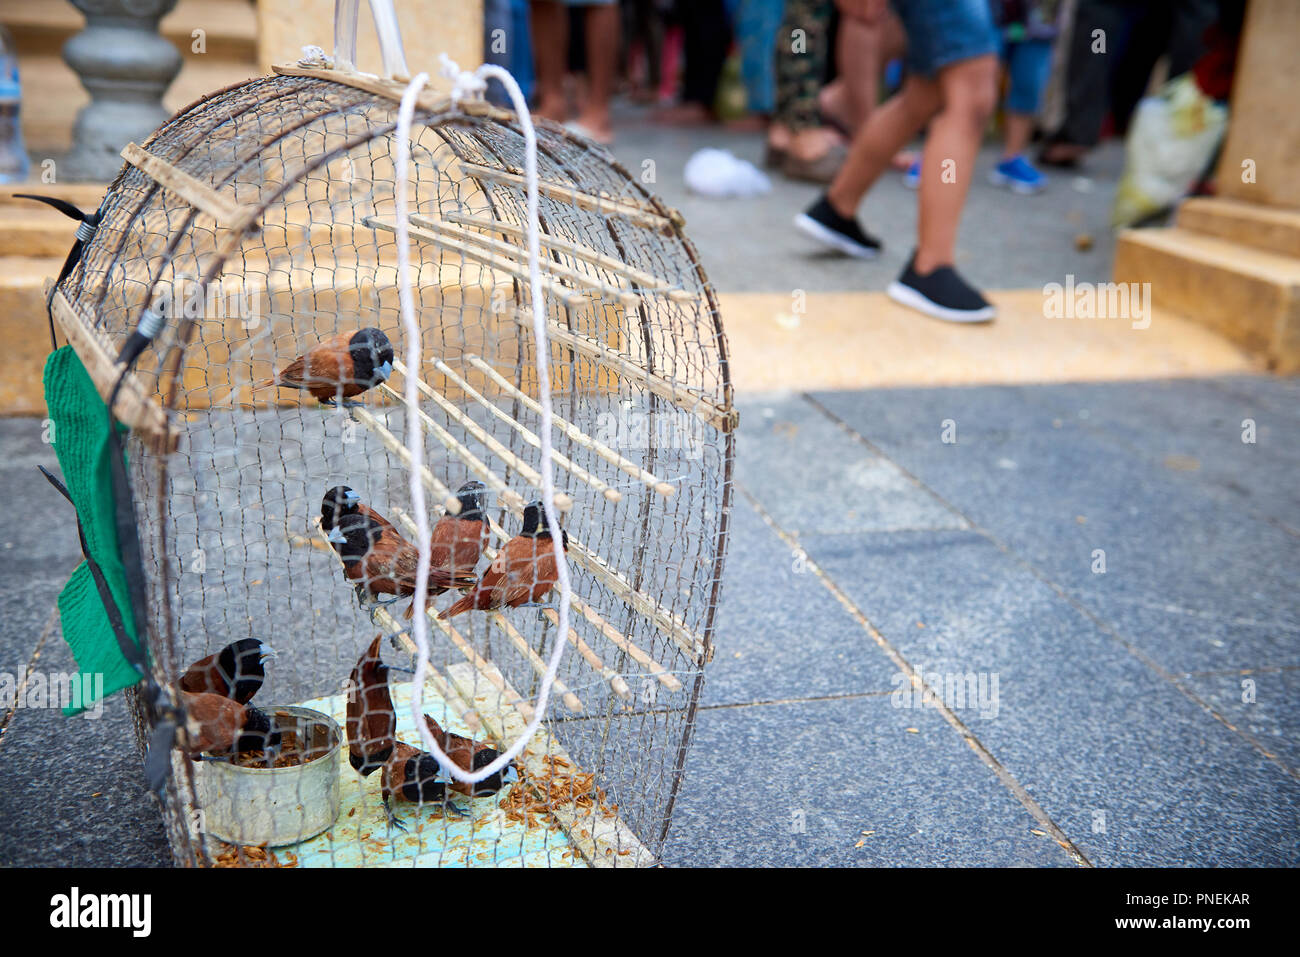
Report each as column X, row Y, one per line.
column 551, row 54
column 602, row 52
column 969, row 92
column 886, row 131
column 1018, row 127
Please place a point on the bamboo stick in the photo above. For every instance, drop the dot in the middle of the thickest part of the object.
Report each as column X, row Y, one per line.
column 648, row 282
column 609, row 674
column 527, row 434
column 515, row 252
column 484, row 667
column 625, row 208
column 363, row 415
column 573, row 432
column 530, row 475
column 469, row 458
column 571, row 700
column 724, row 420
column 199, row 195
column 620, row 640
column 573, row 300
column 616, row 681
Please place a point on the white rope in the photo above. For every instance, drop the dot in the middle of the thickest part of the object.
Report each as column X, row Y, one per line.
column 471, row 86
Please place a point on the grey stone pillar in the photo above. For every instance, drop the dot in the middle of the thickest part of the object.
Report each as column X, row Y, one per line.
column 126, row 66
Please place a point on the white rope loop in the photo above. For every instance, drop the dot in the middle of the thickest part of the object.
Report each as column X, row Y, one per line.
column 472, row 86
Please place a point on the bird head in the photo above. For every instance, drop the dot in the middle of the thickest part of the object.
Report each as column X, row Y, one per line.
column 536, row 525
column 470, row 495
column 372, row 355
column 338, row 501
column 494, row 782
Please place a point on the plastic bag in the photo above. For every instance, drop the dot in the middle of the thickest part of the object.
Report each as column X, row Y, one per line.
column 720, row 174
column 1170, row 143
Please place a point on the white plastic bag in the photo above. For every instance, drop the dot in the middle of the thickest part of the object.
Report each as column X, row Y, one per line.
column 718, row 173
column 1170, row 143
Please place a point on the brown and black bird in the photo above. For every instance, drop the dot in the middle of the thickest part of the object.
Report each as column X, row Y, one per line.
column 214, row 722
column 412, row 775
column 381, row 562
column 339, row 367
column 458, row 539
column 471, row 755
column 235, row 672
column 372, row 721
column 523, row 571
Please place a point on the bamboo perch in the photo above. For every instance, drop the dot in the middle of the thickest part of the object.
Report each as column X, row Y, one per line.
column 386, row 620
column 641, row 603
column 615, row 680
column 573, row 432
column 469, row 458
column 609, row 674
column 530, row 475
column 528, row 435
column 573, row 300
column 514, row 251
column 722, row 419
column 647, row 282
column 620, row 640
column 630, row 210
column 363, row 415
column 484, row 668
column 571, row 700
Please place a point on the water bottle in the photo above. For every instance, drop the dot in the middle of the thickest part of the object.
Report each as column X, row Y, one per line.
column 13, row 153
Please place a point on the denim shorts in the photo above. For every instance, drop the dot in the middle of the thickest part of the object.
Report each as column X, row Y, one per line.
column 943, row 32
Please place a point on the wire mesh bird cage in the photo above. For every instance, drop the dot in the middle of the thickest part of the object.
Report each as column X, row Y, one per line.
column 259, row 223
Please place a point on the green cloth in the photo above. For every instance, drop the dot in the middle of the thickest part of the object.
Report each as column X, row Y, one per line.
column 81, row 442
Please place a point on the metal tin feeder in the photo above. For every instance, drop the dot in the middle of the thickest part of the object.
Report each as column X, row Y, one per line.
column 276, row 806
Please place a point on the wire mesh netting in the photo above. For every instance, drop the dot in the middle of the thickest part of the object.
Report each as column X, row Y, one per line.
column 239, row 540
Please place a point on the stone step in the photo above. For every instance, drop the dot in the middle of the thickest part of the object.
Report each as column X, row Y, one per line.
column 1249, row 295
column 25, row 329
column 41, row 27
column 1262, row 227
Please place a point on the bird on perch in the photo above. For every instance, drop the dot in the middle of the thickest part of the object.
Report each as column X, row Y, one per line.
column 340, row 367
column 523, row 571
column 214, row 722
column 382, row 562
column 372, row 720
column 235, row 672
column 458, row 539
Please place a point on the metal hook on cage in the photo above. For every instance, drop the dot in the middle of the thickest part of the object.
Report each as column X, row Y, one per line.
column 88, row 223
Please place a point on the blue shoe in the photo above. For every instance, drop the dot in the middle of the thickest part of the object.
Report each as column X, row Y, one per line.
column 912, row 178
column 1018, row 174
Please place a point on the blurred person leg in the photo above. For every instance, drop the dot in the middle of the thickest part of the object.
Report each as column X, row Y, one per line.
column 1028, row 63
column 798, row 141
column 602, row 29
column 862, row 48
column 757, row 23
column 952, row 84
column 550, row 29
column 706, row 30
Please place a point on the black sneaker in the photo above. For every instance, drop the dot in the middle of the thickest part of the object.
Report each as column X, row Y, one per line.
column 823, row 224
column 940, row 293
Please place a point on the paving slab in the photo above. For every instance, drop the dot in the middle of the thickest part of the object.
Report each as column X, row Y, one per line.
column 1083, row 724
column 1260, row 703
column 1055, row 490
column 838, row 769
column 780, row 634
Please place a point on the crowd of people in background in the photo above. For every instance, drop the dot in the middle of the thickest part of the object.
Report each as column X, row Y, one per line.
column 848, row 90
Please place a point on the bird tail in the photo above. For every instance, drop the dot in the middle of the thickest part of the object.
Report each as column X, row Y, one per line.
column 442, row 578
column 465, row 604
column 274, row 380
